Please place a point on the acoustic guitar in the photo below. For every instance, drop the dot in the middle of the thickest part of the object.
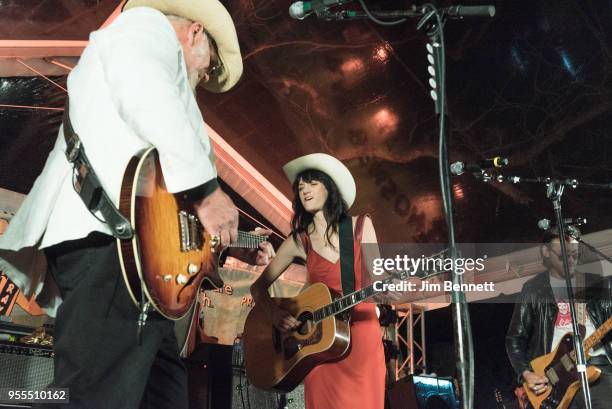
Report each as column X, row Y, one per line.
column 170, row 255
column 559, row 366
column 279, row 362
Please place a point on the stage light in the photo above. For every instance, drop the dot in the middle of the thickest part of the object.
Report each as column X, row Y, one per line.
column 458, row 190
column 381, row 53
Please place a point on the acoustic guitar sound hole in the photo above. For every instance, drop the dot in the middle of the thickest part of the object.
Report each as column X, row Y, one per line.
column 307, row 325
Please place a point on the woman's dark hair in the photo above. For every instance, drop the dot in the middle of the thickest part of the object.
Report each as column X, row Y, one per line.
column 334, row 209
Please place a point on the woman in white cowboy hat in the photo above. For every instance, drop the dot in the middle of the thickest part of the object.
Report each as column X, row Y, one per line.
column 324, row 190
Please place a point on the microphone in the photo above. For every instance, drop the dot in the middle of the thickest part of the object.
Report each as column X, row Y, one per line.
column 470, row 11
column 302, row 9
column 545, row 225
column 497, row 162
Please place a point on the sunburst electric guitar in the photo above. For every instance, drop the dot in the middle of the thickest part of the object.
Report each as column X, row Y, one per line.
column 559, row 366
column 170, row 255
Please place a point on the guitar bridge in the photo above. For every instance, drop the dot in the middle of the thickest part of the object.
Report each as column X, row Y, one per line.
column 190, row 231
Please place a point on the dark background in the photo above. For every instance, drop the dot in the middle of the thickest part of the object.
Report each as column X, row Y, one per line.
column 532, row 84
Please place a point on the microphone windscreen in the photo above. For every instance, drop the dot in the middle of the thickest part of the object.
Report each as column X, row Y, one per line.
column 544, row 224
column 296, row 10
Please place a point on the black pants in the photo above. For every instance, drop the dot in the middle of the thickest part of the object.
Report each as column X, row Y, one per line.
column 601, row 390
column 96, row 351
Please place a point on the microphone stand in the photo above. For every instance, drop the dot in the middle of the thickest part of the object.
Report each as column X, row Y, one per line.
column 356, row 15
column 590, row 247
column 554, row 191
column 432, row 20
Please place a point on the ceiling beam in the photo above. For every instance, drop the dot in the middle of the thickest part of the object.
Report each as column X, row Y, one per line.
column 113, row 15
column 41, row 48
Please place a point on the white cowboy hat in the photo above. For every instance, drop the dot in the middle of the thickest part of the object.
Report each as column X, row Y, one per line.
column 329, row 165
column 218, row 23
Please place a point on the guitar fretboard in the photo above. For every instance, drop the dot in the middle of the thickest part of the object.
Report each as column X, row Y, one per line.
column 248, row 240
column 599, row 333
column 192, row 234
column 348, row 301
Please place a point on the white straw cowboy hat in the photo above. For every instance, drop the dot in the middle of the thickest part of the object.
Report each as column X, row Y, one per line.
column 218, row 23
column 329, row 165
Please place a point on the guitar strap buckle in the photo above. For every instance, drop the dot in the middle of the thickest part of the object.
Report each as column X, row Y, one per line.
column 73, row 146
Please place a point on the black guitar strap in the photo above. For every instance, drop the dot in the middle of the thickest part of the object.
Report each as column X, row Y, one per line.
column 347, row 258
column 88, row 186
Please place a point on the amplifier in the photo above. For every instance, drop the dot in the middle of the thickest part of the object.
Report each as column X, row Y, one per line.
column 25, row 366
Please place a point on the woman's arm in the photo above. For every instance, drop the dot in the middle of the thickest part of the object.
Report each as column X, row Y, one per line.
column 259, row 290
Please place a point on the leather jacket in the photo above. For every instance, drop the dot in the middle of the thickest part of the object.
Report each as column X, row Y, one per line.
column 531, row 329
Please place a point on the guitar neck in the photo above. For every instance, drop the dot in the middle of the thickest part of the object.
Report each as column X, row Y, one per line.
column 248, row 240
column 346, row 302
column 599, row 333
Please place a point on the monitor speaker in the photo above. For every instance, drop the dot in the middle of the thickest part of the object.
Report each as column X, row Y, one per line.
column 422, row 392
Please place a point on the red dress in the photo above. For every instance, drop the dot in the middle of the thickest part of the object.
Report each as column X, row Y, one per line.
column 357, row 380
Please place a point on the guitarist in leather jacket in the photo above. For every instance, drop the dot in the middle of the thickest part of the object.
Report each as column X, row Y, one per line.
column 540, row 318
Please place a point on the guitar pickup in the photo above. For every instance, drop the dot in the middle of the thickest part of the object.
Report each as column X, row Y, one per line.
column 567, row 363
column 552, row 376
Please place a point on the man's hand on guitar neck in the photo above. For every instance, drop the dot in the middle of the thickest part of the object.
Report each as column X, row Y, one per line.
column 535, row 382
column 219, row 216
column 266, row 252
column 260, row 256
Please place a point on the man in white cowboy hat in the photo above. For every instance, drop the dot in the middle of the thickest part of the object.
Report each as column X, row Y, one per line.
column 134, row 87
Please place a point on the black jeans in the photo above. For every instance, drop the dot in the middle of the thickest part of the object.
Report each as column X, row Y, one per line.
column 96, row 351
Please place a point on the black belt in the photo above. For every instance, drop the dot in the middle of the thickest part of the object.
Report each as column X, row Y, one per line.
column 88, row 186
